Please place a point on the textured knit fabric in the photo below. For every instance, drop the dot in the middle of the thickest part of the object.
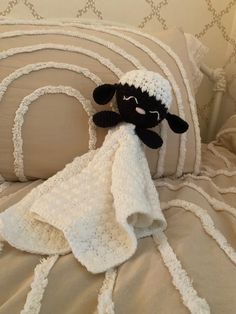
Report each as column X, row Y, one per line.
column 152, row 83
column 96, row 207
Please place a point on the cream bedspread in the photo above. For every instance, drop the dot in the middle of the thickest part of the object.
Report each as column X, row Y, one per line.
column 201, row 217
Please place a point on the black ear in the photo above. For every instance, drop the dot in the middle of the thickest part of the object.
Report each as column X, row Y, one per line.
column 176, row 124
column 104, row 93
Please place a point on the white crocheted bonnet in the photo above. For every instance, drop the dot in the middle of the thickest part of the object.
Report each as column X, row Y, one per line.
column 151, row 82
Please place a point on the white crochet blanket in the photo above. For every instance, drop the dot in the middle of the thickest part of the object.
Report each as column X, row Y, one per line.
column 97, row 206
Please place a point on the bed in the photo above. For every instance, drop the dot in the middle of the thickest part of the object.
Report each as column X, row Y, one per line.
column 193, row 268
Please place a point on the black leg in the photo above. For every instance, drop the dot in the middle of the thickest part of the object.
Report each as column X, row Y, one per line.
column 149, row 138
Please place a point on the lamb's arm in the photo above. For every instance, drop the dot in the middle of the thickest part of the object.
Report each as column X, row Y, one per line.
column 106, row 119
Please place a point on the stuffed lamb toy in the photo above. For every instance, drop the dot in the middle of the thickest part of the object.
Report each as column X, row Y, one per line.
column 143, row 99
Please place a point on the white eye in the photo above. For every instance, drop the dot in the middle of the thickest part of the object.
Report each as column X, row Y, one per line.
column 158, row 114
column 130, row 97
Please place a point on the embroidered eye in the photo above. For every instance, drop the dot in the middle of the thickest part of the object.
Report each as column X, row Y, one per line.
column 130, row 97
column 158, row 114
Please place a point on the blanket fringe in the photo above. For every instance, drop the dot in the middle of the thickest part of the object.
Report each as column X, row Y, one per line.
column 215, row 203
column 211, row 148
column 210, row 172
column 230, row 189
column 181, row 281
column 1, row 245
column 207, row 224
column 34, row 297
column 4, row 185
column 105, row 303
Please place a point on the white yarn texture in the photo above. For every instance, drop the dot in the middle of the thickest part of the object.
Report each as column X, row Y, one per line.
column 96, row 207
column 152, row 83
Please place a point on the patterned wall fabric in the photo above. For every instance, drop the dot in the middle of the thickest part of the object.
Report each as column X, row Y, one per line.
column 212, row 21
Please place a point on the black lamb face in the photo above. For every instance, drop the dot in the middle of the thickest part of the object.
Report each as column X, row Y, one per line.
column 138, row 107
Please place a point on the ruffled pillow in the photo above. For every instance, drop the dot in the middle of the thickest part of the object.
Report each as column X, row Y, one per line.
column 48, row 71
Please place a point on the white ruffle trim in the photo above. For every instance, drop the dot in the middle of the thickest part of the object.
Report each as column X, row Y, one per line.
column 34, row 297
column 105, row 303
column 180, row 279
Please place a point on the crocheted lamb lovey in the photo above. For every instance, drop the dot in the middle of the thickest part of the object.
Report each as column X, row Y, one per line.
column 143, row 99
column 98, row 206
